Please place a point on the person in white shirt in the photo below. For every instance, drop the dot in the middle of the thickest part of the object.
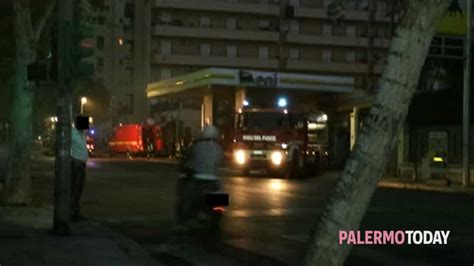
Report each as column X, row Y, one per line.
column 79, row 156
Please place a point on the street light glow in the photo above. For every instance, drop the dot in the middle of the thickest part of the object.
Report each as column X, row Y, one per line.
column 282, row 102
column 83, row 100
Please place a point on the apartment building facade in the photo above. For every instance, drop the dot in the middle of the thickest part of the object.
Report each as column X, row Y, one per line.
column 144, row 41
column 113, row 55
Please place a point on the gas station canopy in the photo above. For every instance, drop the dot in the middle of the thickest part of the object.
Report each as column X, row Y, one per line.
column 250, row 78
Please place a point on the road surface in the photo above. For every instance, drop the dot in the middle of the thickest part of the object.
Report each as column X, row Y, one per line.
column 270, row 216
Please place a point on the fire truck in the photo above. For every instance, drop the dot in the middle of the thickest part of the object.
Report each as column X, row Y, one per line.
column 280, row 141
column 136, row 140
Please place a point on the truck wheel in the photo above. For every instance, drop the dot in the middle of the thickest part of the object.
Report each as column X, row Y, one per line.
column 247, row 171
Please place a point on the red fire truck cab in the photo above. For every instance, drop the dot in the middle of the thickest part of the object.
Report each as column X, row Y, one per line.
column 136, row 140
column 276, row 139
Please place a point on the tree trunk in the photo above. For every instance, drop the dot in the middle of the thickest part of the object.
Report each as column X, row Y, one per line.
column 372, row 150
column 18, row 180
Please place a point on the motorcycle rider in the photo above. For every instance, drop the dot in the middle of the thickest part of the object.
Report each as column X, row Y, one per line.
column 200, row 163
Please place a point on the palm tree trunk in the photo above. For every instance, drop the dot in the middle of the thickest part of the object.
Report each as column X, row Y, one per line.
column 372, row 150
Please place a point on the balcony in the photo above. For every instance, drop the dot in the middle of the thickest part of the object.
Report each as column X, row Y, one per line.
column 218, row 61
column 354, row 15
column 210, row 5
column 336, row 41
column 329, row 67
column 228, row 34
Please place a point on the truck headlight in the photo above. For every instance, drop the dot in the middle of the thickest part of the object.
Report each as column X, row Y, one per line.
column 276, row 157
column 239, row 157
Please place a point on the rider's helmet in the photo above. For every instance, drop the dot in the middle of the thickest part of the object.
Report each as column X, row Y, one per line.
column 210, row 133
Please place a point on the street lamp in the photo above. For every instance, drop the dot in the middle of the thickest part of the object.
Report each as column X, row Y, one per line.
column 83, row 102
column 466, row 99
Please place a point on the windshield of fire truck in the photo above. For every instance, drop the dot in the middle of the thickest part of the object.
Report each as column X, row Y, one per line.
column 262, row 120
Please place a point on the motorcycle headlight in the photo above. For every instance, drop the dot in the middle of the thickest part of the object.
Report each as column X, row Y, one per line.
column 239, row 157
column 277, row 157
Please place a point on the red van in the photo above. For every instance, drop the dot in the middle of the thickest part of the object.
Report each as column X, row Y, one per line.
column 136, row 140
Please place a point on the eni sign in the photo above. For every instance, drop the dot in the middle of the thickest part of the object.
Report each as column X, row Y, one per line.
column 258, row 78
column 455, row 21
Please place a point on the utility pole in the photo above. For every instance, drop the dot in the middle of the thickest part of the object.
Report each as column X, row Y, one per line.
column 466, row 99
column 62, row 184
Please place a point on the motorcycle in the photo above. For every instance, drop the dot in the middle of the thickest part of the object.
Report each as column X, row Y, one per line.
column 200, row 204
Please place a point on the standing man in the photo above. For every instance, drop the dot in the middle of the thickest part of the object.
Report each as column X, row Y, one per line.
column 78, row 168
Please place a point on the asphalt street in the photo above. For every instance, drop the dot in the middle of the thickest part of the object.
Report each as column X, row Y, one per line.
column 273, row 217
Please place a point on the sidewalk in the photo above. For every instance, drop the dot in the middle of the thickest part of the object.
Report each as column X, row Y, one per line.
column 25, row 240
column 426, row 185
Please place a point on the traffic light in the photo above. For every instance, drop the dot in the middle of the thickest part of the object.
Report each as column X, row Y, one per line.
column 83, row 43
column 83, row 57
column 46, row 69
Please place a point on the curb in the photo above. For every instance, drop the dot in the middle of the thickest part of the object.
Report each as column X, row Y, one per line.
column 89, row 228
column 424, row 187
column 246, row 256
column 128, row 245
column 221, row 248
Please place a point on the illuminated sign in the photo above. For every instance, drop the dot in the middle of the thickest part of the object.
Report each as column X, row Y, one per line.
column 258, row 138
column 454, row 23
column 258, row 78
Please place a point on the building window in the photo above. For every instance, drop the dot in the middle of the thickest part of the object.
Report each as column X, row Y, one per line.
column 327, row 55
column 165, row 18
column 264, row 24
column 351, row 55
column 205, row 22
column 294, row 26
column 263, row 52
column 165, row 47
column 231, row 51
column 205, row 49
column 351, row 31
column 231, row 23
column 100, row 42
column 294, row 53
column 295, row 3
column 165, row 73
column 327, row 30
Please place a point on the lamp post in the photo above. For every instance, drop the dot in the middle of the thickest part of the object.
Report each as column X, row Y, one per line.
column 83, row 102
column 466, row 99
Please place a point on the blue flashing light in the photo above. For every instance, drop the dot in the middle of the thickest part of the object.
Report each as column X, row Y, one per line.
column 92, row 132
column 282, row 102
column 246, row 103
